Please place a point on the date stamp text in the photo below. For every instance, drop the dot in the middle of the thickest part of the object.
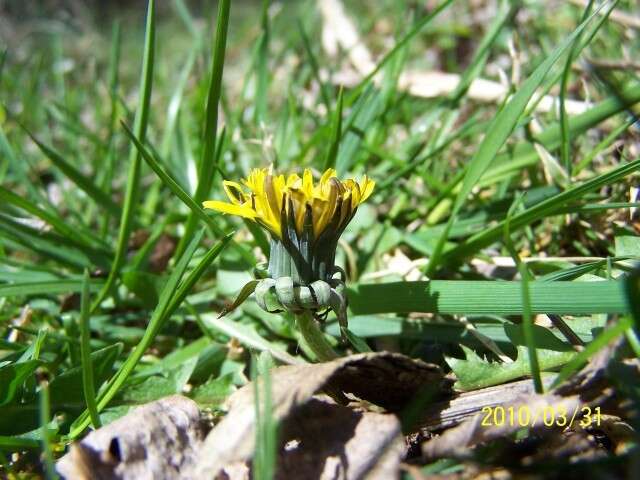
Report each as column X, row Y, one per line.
column 549, row 416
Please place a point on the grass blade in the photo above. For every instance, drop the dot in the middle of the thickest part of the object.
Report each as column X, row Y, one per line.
column 45, row 418
column 336, row 135
column 172, row 296
column 565, row 138
column 133, row 179
column 266, row 425
column 487, row 297
column 497, row 134
column 207, row 166
column 85, row 352
column 179, row 192
column 524, row 154
column 601, row 341
column 527, row 328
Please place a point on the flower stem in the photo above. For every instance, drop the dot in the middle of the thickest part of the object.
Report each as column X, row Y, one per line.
column 314, row 337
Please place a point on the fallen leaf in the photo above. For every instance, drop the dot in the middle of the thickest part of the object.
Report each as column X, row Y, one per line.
column 157, row 440
column 385, row 379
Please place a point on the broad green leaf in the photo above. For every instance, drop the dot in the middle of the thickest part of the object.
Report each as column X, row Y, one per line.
column 157, row 386
column 66, row 389
column 12, row 376
column 214, row 392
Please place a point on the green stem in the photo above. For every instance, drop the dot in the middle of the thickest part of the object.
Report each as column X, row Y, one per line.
column 314, row 338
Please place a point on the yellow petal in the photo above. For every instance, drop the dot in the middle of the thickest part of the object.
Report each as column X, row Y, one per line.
column 244, row 211
column 366, row 188
column 307, row 184
column 354, row 188
column 234, row 192
column 329, row 173
column 293, row 181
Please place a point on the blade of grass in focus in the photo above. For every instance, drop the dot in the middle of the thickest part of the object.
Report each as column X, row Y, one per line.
column 467, row 297
column 207, row 165
column 85, row 350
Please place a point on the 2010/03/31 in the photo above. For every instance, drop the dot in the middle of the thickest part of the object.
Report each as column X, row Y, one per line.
column 525, row 416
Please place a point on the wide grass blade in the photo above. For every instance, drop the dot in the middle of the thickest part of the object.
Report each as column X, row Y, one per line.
column 466, row 297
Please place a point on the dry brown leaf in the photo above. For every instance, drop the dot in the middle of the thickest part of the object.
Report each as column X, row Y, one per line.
column 385, row 379
column 319, row 438
column 456, row 442
column 324, row 440
column 157, row 440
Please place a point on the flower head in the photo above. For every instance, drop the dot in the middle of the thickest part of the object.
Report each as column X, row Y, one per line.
column 331, row 203
column 304, row 219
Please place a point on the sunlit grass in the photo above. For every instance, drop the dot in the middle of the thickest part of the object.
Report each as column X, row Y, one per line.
column 112, row 136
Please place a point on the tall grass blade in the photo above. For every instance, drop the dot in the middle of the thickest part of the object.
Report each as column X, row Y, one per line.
column 132, row 193
column 85, row 353
column 207, row 166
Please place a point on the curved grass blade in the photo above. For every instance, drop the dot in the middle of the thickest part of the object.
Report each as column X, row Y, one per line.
column 524, row 154
column 171, row 297
column 547, row 207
